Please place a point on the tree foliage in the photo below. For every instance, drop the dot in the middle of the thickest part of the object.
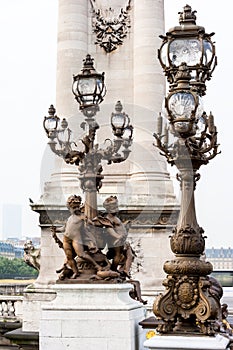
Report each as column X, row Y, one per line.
column 16, row 268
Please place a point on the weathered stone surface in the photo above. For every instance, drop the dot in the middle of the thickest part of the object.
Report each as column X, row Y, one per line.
column 187, row 342
column 98, row 316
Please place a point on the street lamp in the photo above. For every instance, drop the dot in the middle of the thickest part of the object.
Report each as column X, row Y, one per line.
column 188, row 43
column 191, row 301
column 89, row 90
column 58, row 133
column 182, row 104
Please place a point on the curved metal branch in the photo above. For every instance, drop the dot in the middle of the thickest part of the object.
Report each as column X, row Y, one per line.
column 212, row 139
column 165, row 151
column 214, row 154
column 53, row 146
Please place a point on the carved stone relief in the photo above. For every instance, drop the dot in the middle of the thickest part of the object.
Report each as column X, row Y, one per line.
column 110, row 25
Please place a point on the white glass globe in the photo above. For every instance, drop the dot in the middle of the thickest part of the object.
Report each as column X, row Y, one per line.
column 185, row 50
column 181, row 105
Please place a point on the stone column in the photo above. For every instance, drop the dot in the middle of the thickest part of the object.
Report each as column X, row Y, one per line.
column 72, row 47
column 150, row 181
column 133, row 76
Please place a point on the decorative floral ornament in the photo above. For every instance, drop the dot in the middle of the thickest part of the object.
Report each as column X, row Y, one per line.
column 110, row 29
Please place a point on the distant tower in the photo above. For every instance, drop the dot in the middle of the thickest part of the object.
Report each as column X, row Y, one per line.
column 122, row 36
column 11, row 221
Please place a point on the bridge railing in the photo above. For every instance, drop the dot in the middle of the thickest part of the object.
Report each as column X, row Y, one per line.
column 11, row 308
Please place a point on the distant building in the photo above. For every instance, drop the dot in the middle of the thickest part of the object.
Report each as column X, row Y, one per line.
column 11, row 221
column 20, row 242
column 220, row 258
column 7, row 250
column 18, row 252
column 14, row 247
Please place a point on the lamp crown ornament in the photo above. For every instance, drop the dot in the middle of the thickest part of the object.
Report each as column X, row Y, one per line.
column 187, row 16
column 118, row 107
column 64, row 123
column 51, row 110
column 88, row 65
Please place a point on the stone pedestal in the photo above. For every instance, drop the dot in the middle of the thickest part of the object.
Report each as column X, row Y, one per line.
column 33, row 299
column 187, row 342
column 91, row 316
column 52, row 258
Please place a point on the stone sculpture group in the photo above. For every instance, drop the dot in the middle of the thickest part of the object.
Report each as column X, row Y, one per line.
column 94, row 249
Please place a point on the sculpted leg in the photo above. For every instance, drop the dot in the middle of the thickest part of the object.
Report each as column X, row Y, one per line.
column 117, row 258
column 84, row 255
column 68, row 249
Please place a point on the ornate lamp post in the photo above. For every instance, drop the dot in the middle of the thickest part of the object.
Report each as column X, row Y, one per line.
column 191, row 301
column 89, row 90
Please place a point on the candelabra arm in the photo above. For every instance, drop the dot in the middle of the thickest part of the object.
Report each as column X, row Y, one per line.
column 163, row 148
column 53, row 146
column 212, row 145
column 112, row 153
column 63, row 151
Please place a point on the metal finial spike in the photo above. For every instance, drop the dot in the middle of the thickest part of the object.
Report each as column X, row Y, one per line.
column 118, row 107
column 64, row 123
column 51, row 110
column 88, row 61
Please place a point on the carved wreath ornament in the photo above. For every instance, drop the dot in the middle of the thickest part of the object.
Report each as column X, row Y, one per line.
column 110, row 28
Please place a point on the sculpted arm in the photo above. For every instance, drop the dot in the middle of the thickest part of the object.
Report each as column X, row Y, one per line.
column 54, row 231
column 59, row 229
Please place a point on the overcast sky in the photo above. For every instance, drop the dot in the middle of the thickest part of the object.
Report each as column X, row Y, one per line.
column 27, row 88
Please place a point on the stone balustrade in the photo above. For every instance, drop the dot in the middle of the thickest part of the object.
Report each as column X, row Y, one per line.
column 11, row 308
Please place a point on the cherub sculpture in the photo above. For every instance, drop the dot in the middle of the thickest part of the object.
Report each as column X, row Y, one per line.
column 31, row 255
column 115, row 235
column 77, row 240
column 84, row 240
column 104, row 231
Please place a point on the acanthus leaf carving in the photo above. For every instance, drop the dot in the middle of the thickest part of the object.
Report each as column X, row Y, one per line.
column 187, row 240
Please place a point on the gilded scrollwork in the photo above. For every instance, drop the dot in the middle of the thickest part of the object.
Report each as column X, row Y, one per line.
column 190, row 298
column 164, row 306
